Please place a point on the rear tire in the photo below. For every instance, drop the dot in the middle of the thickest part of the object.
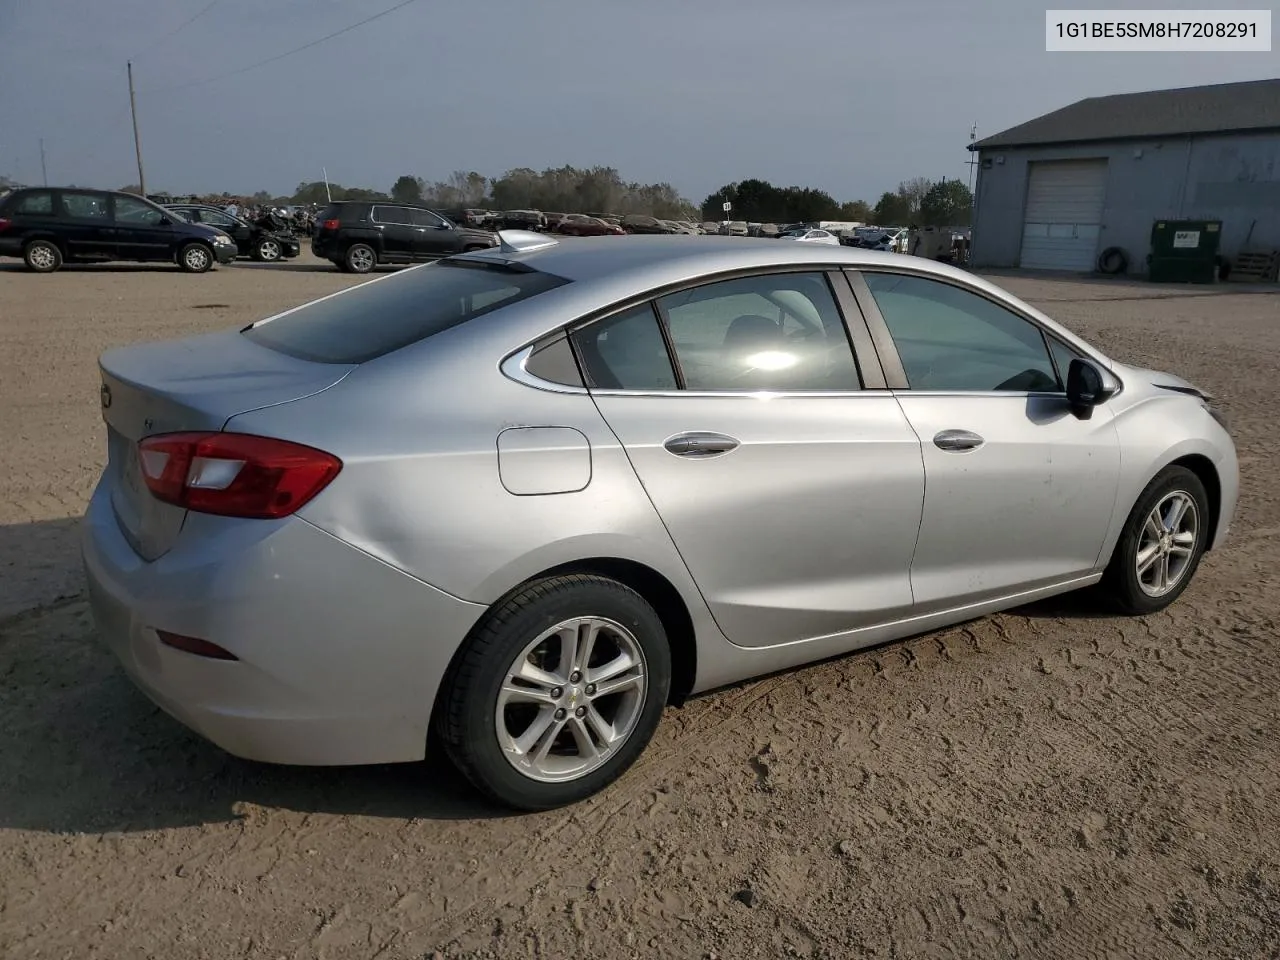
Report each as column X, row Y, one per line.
column 360, row 258
column 1160, row 547
column 583, row 720
column 42, row 256
column 195, row 258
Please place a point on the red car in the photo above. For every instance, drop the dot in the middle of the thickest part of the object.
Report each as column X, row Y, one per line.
column 580, row 225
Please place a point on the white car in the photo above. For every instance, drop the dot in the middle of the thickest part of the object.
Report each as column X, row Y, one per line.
column 812, row 236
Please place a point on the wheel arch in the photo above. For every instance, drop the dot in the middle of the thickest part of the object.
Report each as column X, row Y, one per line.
column 1207, row 473
column 659, row 592
column 48, row 236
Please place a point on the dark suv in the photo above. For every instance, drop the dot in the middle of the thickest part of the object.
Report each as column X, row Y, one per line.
column 50, row 226
column 357, row 235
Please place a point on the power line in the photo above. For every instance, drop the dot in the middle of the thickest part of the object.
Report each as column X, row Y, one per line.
column 186, row 23
column 287, row 53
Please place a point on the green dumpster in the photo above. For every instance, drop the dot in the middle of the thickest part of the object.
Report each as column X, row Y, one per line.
column 1184, row 251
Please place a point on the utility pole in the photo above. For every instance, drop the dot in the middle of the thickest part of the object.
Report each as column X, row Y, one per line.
column 137, row 143
column 43, row 170
column 973, row 157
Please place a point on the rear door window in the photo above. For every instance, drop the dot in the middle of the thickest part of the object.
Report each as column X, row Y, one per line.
column 399, row 215
column 382, row 316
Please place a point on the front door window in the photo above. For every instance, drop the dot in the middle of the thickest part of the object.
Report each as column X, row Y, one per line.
column 950, row 339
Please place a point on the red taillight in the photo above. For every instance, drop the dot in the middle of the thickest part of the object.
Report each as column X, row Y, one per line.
column 4, row 224
column 234, row 474
column 328, row 224
column 201, row 648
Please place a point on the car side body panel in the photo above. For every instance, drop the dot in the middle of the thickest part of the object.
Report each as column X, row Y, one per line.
column 424, row 492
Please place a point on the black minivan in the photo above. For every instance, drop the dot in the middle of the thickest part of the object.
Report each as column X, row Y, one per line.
column 50, row 226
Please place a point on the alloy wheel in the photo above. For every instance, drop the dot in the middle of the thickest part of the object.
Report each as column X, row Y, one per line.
column 1167, row 543
column 571, row 699
column 362, row 260
column 42, row 258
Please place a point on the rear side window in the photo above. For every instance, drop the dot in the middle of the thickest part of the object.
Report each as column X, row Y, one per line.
column 40, row 202
column 398, row 215
column 384, row 315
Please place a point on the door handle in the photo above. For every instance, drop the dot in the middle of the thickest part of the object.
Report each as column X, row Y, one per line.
column 700, row 444
column 957, row 440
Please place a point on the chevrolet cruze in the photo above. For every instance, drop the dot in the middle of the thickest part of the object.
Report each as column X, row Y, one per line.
column 527, row 496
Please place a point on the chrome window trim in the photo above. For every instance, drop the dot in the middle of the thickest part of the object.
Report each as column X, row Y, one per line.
column 746, row 394
column 514, row 368
column 513, row 365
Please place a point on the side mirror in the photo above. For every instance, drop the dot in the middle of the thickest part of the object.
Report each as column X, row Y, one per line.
column 166, row 222
column 1088, row 386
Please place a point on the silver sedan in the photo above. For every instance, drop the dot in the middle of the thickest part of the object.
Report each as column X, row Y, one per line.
column 526, row 497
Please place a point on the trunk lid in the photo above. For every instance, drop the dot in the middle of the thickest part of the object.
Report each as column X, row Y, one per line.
column 194, row 384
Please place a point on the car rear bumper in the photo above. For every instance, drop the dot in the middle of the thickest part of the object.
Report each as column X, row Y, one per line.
column 340, row 655
column 10, row 246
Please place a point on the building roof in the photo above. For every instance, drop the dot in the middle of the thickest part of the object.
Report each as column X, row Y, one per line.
column 1218, row 108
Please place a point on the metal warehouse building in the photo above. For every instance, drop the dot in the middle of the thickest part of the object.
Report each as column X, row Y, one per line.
column 1056, row 191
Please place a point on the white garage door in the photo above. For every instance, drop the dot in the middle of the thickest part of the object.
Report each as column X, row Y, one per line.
column 1064, row 214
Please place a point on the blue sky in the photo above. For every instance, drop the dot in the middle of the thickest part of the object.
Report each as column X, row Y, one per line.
column 850, row 96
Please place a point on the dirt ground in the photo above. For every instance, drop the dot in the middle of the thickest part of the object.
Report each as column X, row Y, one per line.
column 1051, row 783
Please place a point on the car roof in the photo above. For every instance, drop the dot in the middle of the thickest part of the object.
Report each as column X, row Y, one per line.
column 658, row 260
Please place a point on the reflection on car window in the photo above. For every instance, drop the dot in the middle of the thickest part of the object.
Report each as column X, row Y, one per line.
column 375, row 319
column 777, row 332
column 954, row 340
column 626, row 352
column 85, row 206
column 132, row 211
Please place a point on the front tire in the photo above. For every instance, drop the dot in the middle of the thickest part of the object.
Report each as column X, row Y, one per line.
column 1161, row 544
column 42, row 256
column 556, row 692
column 195, row 258
column 360, row 258
column 267, row 250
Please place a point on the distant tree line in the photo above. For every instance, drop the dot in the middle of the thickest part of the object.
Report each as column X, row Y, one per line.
column 603, row 190
column 561, row 189
column 918, row 201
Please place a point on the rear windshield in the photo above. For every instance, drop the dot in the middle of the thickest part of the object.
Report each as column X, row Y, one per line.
column 384, row 315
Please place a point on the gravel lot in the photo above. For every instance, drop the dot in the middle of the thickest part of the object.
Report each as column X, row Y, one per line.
column 1051, row 782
